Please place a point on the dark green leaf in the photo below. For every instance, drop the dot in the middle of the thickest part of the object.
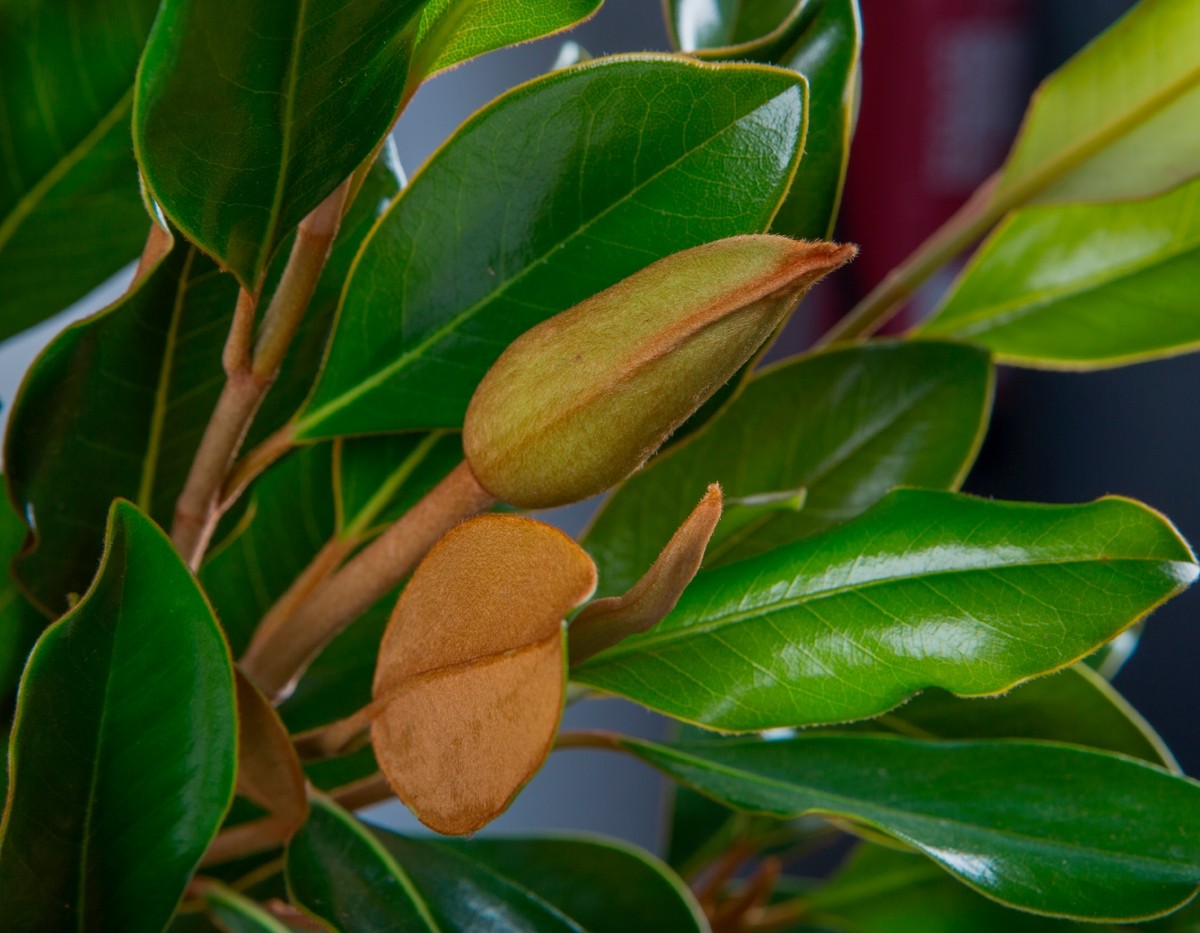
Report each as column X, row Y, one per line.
column 124, row 747
column 238, row 914
column 122, row 399
column 1114, row 122
column 1083, row 286
column 821, row 40
column 696, row 25
column 882, row 890
column 1076, row 706
column 927, row 589
column 568, row 883
column 452, row 31
column 458, row 267
column 338, row 872
column 1044, row 827
column 70, row 211
column 241, row 132
column 845, row 425
column 20, row 622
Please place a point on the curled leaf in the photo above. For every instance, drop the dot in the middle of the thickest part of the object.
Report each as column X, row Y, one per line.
column 606, row 621
column 469, row 686
column 579, row 402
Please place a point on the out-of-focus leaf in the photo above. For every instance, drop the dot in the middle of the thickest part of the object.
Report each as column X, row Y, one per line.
column 927, row 589
column 567, row 883
column 472, row 668
column 721, row 141
column 70, row 211
column 696, row 25
column 338, row 872
column 1115, row 121
column 123, row 751
column 1076, row 706
column 846, row 425
column 453, row 31
column 1083, row 286
column 20, row 622
column 881, row 890
column 1045, row 827
column 239, row 914
column 241, row 132
column 121, row 398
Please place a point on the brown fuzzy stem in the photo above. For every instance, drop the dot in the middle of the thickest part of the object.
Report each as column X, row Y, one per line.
column 278, row 659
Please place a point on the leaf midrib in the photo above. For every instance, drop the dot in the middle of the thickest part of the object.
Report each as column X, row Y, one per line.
column 651, row 639
column 314, row 417
column 1002, row 314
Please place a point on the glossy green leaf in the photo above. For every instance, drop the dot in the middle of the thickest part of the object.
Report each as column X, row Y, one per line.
column 695, row 25
column 881, row 890
column 338, row 872
column 122, row 398
column 20, row 622
column 567, row 883
column 821, row 40
column 1076, row 706
column 241, row 132
column 453, row 31
column 239, row 914
column 70, row 211
column 926, row 589
column 1115, row 121
column 124, row 747
column 1083, row 286
column 844, row 425
column 458, row 268
column 1045, row 827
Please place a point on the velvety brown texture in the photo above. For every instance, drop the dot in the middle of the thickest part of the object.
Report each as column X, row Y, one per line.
column 606, row 621
column 579, row 402
column 471, row 672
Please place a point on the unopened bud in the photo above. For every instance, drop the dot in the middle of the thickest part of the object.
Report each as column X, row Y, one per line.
column 580, row 401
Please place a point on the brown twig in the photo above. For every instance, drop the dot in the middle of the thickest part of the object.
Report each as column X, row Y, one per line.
column 730, row 915
column 363, row 793
column 251, row 366
column 276, row 660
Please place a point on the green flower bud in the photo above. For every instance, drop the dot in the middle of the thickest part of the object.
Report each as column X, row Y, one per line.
column 579, row 402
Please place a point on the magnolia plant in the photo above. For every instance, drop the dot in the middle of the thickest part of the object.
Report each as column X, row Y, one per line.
column 269, row 554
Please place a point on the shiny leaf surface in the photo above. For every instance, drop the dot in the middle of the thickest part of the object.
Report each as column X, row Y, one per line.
column 453, row 31
column 696, row 25
column 881, row 890
column 926, row 589
column 70, row 211
column 472, row 668
column 457, row 268
column 1076, row 706
column 1044, row 827
column 123, row 749
column 1083, row 286
column 821, row 40
column 338, row 872
column 241, row 132
column 554, row 884
column 122, row 398
column 1115, row 121
column 845, row 425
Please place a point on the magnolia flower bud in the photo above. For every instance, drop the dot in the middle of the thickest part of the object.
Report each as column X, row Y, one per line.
column 580, row 401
